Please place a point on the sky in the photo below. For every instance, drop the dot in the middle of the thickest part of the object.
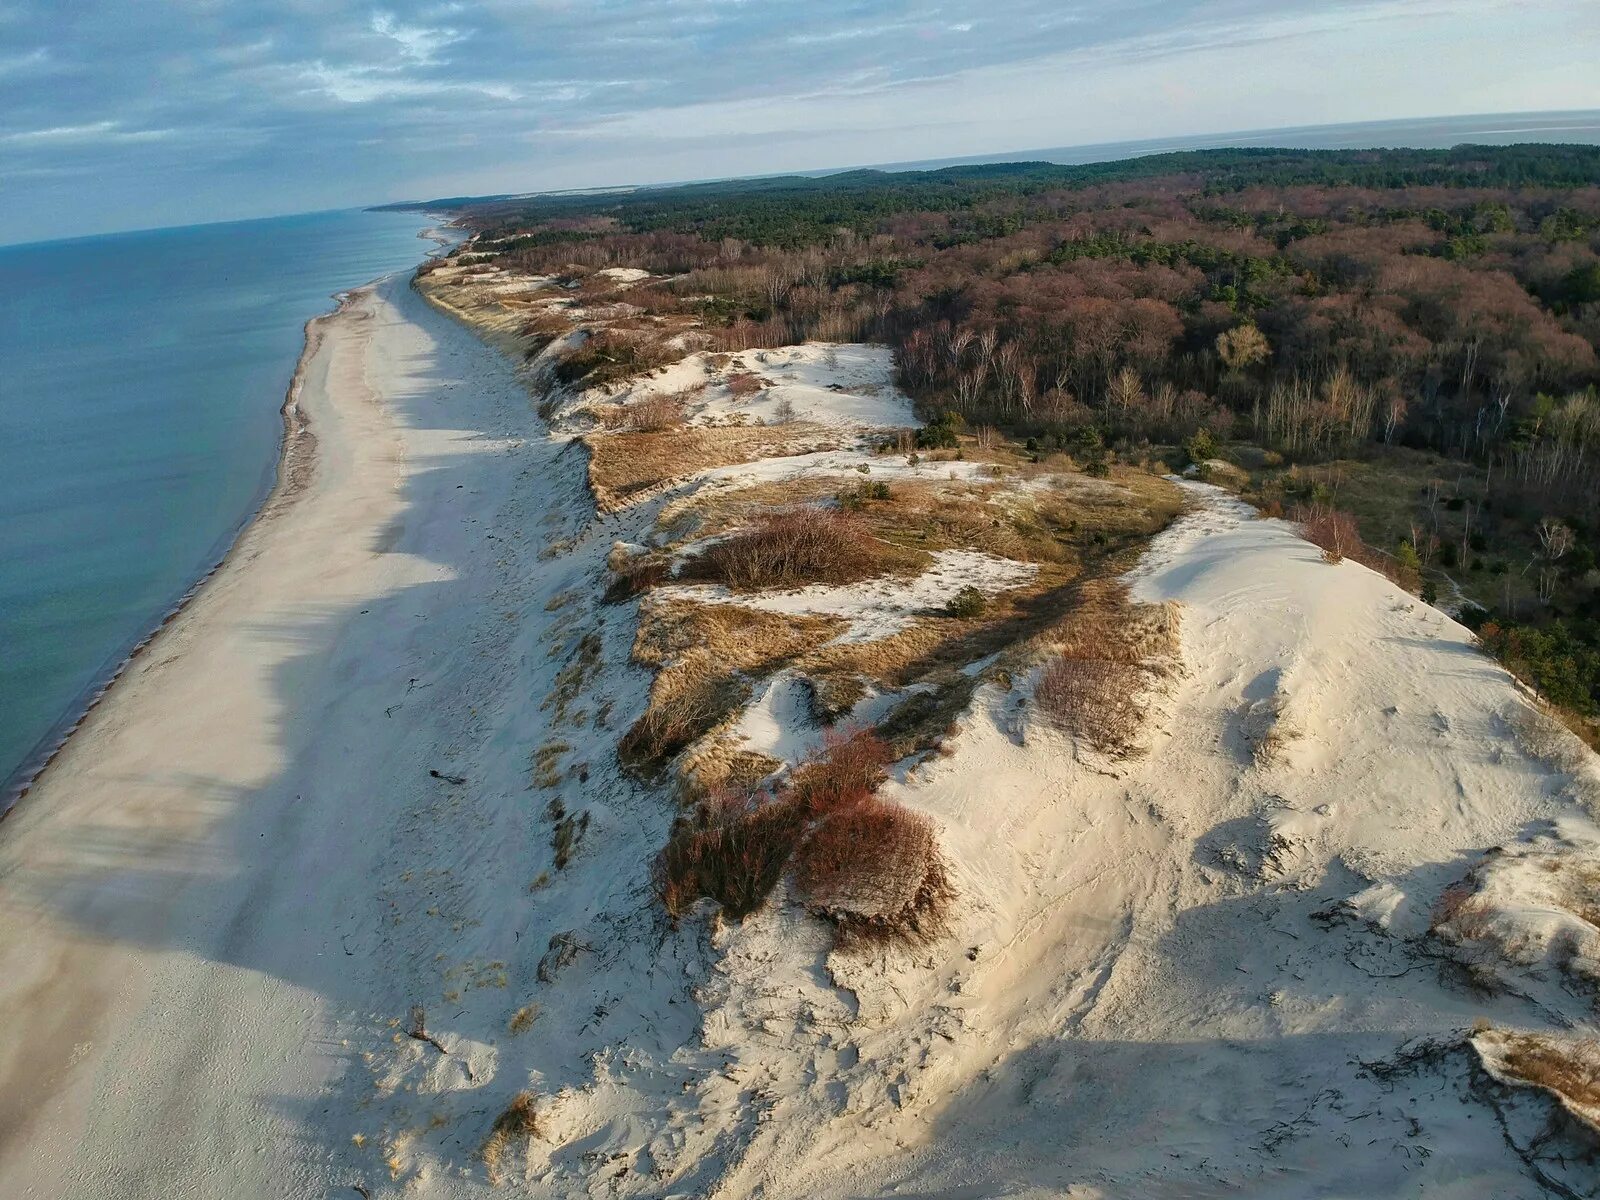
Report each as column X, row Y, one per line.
column 121, row 114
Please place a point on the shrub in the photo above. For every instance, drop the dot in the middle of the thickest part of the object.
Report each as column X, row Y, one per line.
column 864, row 493
column 1333, row 531
column 733, row 849
column 1092, row 698
column 652, row 414
column 845, row 772
column 874, row 870
column 1201, row 447
column 635, row 575
column 941, row 433
column 744, row 383
column 969, row 602
column 792, row 549
column 611, row 355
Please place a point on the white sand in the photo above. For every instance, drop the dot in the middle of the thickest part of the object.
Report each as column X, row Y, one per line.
column 193, row 897
column 1164, row 979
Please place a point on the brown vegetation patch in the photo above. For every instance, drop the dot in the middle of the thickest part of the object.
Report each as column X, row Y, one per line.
column 732, row 849
column 516, row 1124
column 623, row 467
column 1108, row 651
column 874, row 870
column 871, row 868
column 612, row 354
column 1571, row 1070
column 635, row 575
column 846, row 771
column 805, row 546
column 1339, row 537
column 710, row 654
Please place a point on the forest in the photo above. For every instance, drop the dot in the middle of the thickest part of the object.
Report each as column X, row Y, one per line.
column 1411, row 337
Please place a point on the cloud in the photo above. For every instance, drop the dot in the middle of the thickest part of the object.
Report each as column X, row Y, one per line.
column 97, row 132
column 195, row 109
column 417, row 42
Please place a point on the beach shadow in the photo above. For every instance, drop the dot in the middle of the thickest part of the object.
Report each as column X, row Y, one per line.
column 339, row 858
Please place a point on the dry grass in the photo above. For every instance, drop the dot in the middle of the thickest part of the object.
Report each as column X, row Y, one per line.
column 792, row 549
column 649, row 414
column 685, row 705
column 522, row 1020
column 625, row 467
column 1573, row 1071
column 1566, row 1066
column 723, row 764
column 709, row 654
column 1109, row 651
column 874, row 870
column 516, row 1124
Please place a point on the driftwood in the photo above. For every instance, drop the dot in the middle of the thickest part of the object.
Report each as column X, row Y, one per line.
column 419, row 1029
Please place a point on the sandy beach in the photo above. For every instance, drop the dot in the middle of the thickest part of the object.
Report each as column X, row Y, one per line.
column 188, row 894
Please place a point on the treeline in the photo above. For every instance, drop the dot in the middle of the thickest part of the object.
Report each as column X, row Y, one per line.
column 1310, row 302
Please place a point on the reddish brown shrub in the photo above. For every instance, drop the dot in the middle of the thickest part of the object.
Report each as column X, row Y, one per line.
column 1333, row 531
column 875, row 871
column 791, row 549
column 845, row 772
column 744, row 383
column 733, row 849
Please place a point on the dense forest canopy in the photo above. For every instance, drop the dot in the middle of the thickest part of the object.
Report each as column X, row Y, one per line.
column 1315, row 304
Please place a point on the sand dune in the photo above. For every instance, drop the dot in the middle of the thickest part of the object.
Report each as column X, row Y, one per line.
column 373, row 767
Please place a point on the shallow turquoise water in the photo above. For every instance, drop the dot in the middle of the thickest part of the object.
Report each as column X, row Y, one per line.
column 140, row 380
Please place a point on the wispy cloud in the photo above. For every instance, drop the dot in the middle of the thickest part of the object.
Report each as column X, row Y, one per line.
column 194, row 108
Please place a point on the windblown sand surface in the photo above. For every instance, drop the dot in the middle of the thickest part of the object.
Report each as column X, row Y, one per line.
column 190, row 898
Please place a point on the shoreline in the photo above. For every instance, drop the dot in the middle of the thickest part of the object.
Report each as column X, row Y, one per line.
column 294, row 459
column 195, row 909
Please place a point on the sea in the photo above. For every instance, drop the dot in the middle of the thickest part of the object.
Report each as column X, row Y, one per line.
column 141, row 377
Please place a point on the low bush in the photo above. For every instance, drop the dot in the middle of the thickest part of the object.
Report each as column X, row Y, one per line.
column 744, row 383
column 792, row 549
column 874, row 870
column 1335, row 532
column 1332, row 531
column 845, row 772
column 1092, row 698
column 652, row 414
column 732, row 849
column 969, row 602
column 612, row 355
column 636, row 575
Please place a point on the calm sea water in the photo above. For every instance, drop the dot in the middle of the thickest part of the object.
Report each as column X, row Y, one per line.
column 140, row 380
